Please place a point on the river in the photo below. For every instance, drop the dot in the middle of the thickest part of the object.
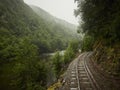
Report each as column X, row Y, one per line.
column 51, row 54
column 46, row 55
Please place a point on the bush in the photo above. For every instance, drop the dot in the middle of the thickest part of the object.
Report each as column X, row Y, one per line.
column 70, row 52
column 57, row 63
column 87, row 43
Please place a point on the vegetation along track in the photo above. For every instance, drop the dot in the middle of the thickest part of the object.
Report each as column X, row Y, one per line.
column 79, row 77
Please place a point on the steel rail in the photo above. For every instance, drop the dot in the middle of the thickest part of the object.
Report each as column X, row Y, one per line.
column 78, row 76
column 90, row 75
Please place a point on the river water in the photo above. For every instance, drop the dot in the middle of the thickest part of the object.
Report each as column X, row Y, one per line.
column 47, row 55
column 51, row 54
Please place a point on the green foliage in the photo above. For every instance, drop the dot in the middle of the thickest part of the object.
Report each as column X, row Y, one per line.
column 27, row 71
column 100, row 18
column 87, row 43
column 29, row 75
column 57, row 59
column 70, row 52
column 100, row 21
column 61, row 61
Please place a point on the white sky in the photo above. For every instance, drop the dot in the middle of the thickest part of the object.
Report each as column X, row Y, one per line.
column 59, row 8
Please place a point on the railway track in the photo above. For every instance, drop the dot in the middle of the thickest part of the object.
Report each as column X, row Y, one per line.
column 86, row 79
column 79, row 75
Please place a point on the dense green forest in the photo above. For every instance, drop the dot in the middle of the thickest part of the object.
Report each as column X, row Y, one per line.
column 26, row 32
column 101, row 24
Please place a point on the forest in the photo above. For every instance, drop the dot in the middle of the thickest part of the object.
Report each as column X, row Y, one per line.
column 27, row 32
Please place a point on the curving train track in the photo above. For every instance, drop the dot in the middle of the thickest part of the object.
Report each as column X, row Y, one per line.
column 78, row 75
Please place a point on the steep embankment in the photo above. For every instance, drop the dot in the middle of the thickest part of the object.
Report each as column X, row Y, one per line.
column 107, row 57
column 102, row 23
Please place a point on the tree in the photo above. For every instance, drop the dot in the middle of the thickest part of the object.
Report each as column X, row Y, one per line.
column 70, row 51
column 57, row 64
column 98, row 17
column 87, row 43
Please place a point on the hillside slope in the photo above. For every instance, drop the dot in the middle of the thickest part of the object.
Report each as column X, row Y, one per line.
column 55, row 21
column 22, row 21
column 24, row 36
column 58, row 27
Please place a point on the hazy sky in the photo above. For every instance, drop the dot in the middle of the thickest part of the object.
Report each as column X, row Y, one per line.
column 60, row 8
